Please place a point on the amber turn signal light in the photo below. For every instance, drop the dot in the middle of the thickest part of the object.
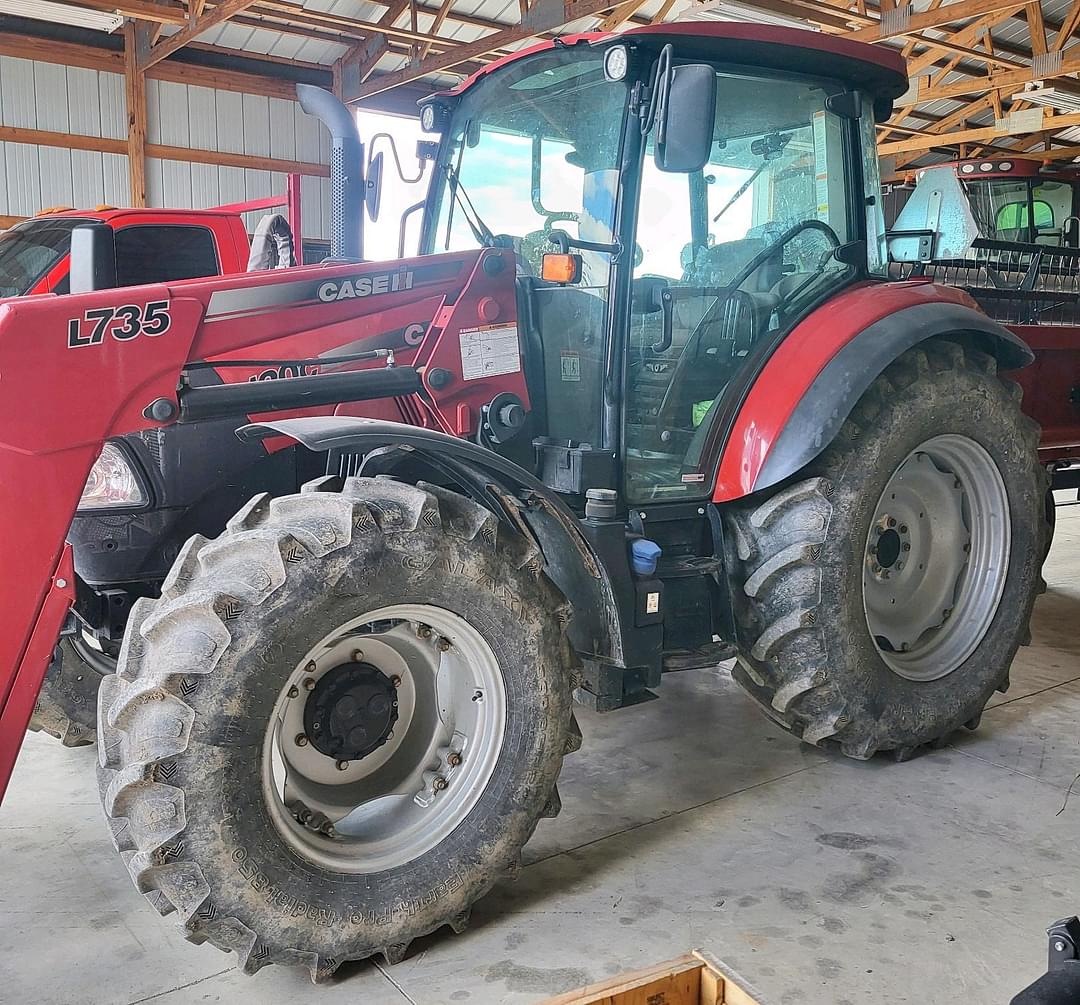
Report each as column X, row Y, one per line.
column 561, row 268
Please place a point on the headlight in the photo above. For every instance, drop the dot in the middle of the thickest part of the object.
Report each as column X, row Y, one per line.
column 113, row 483
column 434, row 116
column 616, row 60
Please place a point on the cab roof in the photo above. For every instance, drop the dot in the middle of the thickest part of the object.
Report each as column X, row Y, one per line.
column 880, row 70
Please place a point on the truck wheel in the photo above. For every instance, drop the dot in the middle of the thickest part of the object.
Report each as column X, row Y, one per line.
column 339, row 725
column 67, row 703
column 880, row 596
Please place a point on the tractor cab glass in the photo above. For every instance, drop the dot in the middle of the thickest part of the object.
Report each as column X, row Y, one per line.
column 532, row 149
column 1025, row 210
column 727, row 256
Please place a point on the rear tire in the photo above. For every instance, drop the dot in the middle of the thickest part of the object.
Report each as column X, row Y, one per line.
column 818, row 633
column 186, row 725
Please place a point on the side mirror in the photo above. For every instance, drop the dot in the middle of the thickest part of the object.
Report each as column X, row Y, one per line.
column 373, row 186
column 93, row 258
column 684, row 132
column 1070, row 232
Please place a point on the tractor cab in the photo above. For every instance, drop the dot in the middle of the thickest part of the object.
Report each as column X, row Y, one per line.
column 678, row 198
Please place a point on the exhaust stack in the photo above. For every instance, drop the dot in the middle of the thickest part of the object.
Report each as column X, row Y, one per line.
column 346, row 170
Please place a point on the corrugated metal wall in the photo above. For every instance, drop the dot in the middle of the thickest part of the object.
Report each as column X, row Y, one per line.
column 48, row 96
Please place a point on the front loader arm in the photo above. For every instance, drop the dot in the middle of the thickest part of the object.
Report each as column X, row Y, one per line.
column 78, row 370
column 60, row 399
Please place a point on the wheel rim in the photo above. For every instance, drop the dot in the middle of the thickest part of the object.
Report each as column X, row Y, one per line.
column 378, row 784
column 937, row 556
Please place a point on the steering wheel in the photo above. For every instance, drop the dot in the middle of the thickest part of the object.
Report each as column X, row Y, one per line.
column 766, row 253
column 671, row 400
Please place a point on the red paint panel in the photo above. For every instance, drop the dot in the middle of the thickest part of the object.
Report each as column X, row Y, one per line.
column 798, row 360
column 58, row 404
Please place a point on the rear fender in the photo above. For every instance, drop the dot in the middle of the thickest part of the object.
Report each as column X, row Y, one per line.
column 517, row 497
column 807, row 389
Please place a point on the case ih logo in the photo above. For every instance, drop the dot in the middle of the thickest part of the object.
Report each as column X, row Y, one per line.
column 365, row 286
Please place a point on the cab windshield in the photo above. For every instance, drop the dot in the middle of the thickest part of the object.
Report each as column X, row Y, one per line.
column 533, row 148
column 30, row 250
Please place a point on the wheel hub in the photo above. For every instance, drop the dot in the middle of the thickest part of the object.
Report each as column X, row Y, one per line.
column 936, row 557
column 383, row 738
column 351, row 711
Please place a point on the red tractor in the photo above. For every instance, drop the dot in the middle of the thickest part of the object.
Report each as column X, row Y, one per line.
column 646, row 395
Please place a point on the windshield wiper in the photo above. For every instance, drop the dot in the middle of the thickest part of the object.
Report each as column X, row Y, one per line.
column 481, row 231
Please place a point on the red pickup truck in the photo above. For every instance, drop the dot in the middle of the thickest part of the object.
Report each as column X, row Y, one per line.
column 152, row 246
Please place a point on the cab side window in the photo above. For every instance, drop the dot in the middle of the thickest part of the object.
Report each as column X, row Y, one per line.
column 162, row 254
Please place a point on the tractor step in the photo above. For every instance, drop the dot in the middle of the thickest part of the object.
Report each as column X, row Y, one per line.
column 703, row 658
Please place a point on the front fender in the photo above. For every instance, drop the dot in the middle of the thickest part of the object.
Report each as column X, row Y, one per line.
column 813, row 380
column 506, row 488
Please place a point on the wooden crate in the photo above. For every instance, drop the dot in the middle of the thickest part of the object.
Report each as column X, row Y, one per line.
column 694, row 979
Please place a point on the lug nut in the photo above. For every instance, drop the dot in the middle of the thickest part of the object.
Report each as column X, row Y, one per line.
column 301, row 740
column 899, row 566
column 343, row 765
column 892, row 521
column 294, row 691
column 309, row 683
column 328, row 829
column 311, row 667
column 453, row 759
column 395, row 680
column 444, row 644
column 439, row 783
column 903, row 528
column 358, row 655
column 907, row 547
column 423, row 631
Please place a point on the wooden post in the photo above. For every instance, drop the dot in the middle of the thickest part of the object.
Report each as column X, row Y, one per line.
column 135, row 102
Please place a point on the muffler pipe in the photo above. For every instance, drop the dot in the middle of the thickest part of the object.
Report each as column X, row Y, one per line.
column 346, row 170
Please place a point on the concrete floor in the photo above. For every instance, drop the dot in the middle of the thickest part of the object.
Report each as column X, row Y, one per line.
column 687, row 822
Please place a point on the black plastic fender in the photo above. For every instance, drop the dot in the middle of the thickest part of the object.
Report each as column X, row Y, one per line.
column 506, row 488
column 829, row 400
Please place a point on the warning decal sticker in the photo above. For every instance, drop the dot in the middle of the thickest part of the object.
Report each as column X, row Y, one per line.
column 490, row 351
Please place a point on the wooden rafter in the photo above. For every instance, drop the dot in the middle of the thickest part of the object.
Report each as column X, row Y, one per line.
column 1050, row 123
column 222, row 12
column 946, row 14
column 436, row 25
column 620, row 14
column 1068, row 26
column 544, row 18
column 1007, row 81
column 1036, row 28
column 368, row 53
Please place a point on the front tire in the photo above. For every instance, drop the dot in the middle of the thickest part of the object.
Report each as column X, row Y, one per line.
column 881, row 596
column 324, row 603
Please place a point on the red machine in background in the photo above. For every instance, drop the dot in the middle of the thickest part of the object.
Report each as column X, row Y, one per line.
column 1008, row 232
